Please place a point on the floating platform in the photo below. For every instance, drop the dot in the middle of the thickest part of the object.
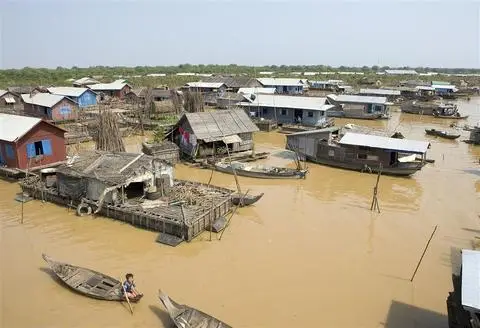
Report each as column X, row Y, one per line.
column 190, row 209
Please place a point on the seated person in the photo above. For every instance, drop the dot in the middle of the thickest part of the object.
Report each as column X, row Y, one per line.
column 130, row 288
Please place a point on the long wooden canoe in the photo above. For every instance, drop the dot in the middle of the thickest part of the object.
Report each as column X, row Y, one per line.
column 442, row 134
column 88, row 282
column 261, row 172
column 185, row 316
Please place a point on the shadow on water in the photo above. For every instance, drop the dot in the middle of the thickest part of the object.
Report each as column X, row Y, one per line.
column 162, row 315
column 401, row 315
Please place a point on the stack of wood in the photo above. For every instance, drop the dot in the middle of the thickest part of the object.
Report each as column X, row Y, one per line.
column 108, row 136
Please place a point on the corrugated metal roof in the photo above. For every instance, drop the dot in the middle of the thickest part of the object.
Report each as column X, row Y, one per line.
column 115, row 85
column 13, row 127
column 233, row 81
column 67, row 91
column 357, row 99
column 42, row 99
column 213, row 85
column 9, row 100
column 2, row 92
column 385, row 92
column 471, row 278
column 366, row 140
column 278, row 101
column 85, row 81
column 215, row 125
column 314, row 131
column 257, row 90
column 280, row 82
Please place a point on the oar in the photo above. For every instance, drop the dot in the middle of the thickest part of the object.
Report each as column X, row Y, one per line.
column 126, row 296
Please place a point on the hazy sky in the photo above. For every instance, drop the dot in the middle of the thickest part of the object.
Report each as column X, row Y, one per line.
column 41, row 33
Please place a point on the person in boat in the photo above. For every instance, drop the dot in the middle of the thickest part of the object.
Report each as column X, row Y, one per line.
column 130, row 288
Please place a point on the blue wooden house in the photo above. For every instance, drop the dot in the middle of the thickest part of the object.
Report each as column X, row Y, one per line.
column 307, row 111
column 82, row 96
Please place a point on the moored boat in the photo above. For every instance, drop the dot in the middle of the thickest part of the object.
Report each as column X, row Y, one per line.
column 442, row 134
column 429, row 108
column 360, row 152
column 185, row 316
column 261, row 172
column 88, row 282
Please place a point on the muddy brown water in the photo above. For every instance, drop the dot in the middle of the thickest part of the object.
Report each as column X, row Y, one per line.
column 309, row 254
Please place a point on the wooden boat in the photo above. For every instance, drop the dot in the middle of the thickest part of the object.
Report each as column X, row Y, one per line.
column 246, row 201
column 88, row 282
column 185, row 316
column 261, row 172
column 456, row 116
column 442, row 134
column 428, row 108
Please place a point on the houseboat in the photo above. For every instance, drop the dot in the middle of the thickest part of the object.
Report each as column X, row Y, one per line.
column 359, row 152
column 283, row 85
column 433, row 108
column 285, row 110
column 359, row 107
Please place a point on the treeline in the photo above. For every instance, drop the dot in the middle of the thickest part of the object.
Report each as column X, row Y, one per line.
column 61, row 75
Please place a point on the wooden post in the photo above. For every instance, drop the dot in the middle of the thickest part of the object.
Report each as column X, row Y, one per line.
column 212, row 213
column 233, row 213
column 375, row 205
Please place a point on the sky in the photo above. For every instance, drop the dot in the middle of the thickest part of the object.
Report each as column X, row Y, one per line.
column 52, row 33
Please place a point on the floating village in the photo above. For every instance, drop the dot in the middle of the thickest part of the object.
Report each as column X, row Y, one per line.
column 210, row 123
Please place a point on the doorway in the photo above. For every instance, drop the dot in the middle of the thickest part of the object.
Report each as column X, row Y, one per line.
column 298, row 115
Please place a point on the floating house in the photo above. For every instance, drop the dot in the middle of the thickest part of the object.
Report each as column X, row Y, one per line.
column 360, row 107
column 283, row 85
column 307, row 111
column 29, row 142
column 234, row 83
column 208, row 133
column 137, row 189
column 390, row 94
column 330, row 85
column 50, row 107
column 84, row 97
column 444, row 89
column 463, row 303
column 360, row 152
column 117, row 89
column 84, row 82
column 8, row 99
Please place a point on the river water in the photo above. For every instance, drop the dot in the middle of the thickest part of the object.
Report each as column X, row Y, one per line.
column 309, row 254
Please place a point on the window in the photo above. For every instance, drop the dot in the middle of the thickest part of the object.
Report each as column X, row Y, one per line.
column 43, row 147
column 331, row 153
column 310, row 114
column 265, row 111
column 9, row 151
column 372, row 157
column 362, row 156
column 284, row 112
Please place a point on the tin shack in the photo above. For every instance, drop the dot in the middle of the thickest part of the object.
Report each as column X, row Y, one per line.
column 360, row 107
column 50, row 107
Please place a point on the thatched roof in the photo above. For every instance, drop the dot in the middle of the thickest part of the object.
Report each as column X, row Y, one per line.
column 233, row 81
column 213, row 126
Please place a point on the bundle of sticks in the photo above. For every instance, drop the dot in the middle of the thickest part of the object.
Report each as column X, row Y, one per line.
column 108, row 137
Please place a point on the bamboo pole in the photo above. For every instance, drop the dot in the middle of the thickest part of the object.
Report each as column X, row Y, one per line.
column 233, row 213
column 423, row 254
column 126, row 297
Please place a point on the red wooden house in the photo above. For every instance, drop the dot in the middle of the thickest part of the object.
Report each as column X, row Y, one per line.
column 29, row 142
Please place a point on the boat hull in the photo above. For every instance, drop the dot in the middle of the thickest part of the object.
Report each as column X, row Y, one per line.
column 88, row 282
column 404, row 171
column 290, row 174
column 441, row 134
column 245, row 200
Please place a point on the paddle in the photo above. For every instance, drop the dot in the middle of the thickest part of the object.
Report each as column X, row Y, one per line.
column 126, row 296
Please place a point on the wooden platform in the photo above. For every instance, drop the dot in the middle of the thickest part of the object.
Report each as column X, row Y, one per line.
column 183, row 221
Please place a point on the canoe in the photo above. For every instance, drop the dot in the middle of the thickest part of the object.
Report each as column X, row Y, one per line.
column 261, row 172
column 88, row 282
column 185, row 316
column 442, row 134
column 247, row 200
